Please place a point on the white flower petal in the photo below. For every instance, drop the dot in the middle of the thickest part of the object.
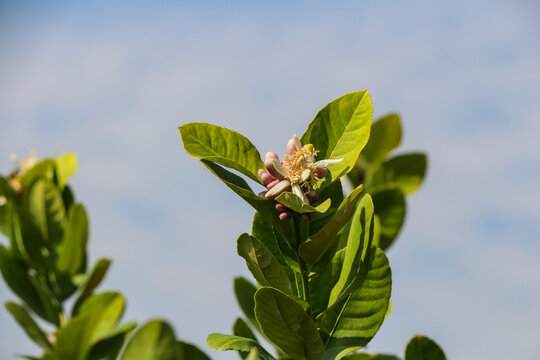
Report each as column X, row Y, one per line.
column 298, row 192
column 278, row 188
column 297, row 142
column 326, row 162
column 280, row 168
column 305, row 175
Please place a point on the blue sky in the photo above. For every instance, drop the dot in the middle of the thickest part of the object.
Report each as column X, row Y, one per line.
column 111, row 81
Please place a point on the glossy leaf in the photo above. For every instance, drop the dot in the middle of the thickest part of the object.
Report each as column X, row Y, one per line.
column 92, row 281
column 188, row 351
column 405, row 172
column 353, row 324
column 296, row 204
column 385, row 136
column 15, row 273
column 262, row 264
column 285, row 323
column 109, row 347
column 28, row 324
column 323, row 281
column 72, row 252
column 390, row 209
column 312, row 249
column 153, row 341
column 277, row 245
column 66, row 166
column 423, row 348
column 340, row 130
column 222, row 146
column 334, row 192
column 245, row 293
column 359, row 235
column 264, row 206
column 222, row 342
column 96, row 319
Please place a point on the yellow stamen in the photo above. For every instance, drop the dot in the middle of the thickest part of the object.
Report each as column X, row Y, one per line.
column 309, row 147
column 298, row 154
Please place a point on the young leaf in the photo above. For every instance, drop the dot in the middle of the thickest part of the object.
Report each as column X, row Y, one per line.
column 222, row 342
column 92, row 281
column 296, row 204
column 359, row 235
column 153, row 341
column 385, row 136
column 390, row 208
column 66, row 166
column 245, row 293
column 353, row 324
column 285, row 323
column 340, row 130
column 28, row 324
column 405, row 172
column 72, row 252
column 423, row 348
column 262, row 265
column 222, row 146
column 314, row 247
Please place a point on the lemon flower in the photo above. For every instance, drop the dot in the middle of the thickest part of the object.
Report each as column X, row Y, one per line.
column 299, row 172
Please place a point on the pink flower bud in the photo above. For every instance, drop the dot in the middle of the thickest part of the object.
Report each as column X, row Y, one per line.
column 271, row 161
column 320, row 173
column 284, row 216
column 281, row 207
column 272, row 184
column 293, row 146
column 262, row 193
column 265, row 177
column 312, row 196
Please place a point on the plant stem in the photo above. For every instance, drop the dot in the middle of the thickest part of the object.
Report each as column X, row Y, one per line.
column 303, row 268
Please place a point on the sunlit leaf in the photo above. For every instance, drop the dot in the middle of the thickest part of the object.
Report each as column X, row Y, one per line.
column 423, row 348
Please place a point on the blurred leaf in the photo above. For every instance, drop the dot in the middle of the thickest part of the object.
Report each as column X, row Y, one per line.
column 262, row 265
column 285, row 323
column 15, row 273
column 340, row 130
column 153, row 341
column 312, row 249
column 364, row 356
column 188, row 351
column 359, row 235
column 66, row 166
column 28, row 324
column 390, row 209
column 245, row 292
column 52, row 307
column 68, row 198
column 92, row 281
column 423, row 348
column 222, row 342
column 352, row 325
column 296, row 204
column 72, row 252
column 6, row 194
column 222, row 146
column 264, row 206
column 46, row 210
column 405, row 172
column 96, row 319
column 42, row 170
column 385, row 136
column 109, row 347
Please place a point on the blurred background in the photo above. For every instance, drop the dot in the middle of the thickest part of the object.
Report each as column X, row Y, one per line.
column 112, row 80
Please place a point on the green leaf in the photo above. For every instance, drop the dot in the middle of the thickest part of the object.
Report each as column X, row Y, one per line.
column 66, row 166
column 6, row 194
column 42, row 170
column 277, row 245
column 222, row 146
column 390, row 208
column 423, row 348
column 241, row 328
column 314, row 247
column 364, row 356
column 110, row 346
column 46, row 209
column 222, row 342
column 385, row 136
column 262, row 265
column 28, row 324
column 15, row 273
column 340, row 130
column 72, row 252
column 334, row 192
column 245, row 293
column 96, row 319
column 353, row 324
column 322, row 282
column 91, row 283
column 153, row 341
column 264, row 206
column 52, row 306
column 188, row 351
column 359, row 235
column 285, row 323
column 405, row 172
column 294, row 203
